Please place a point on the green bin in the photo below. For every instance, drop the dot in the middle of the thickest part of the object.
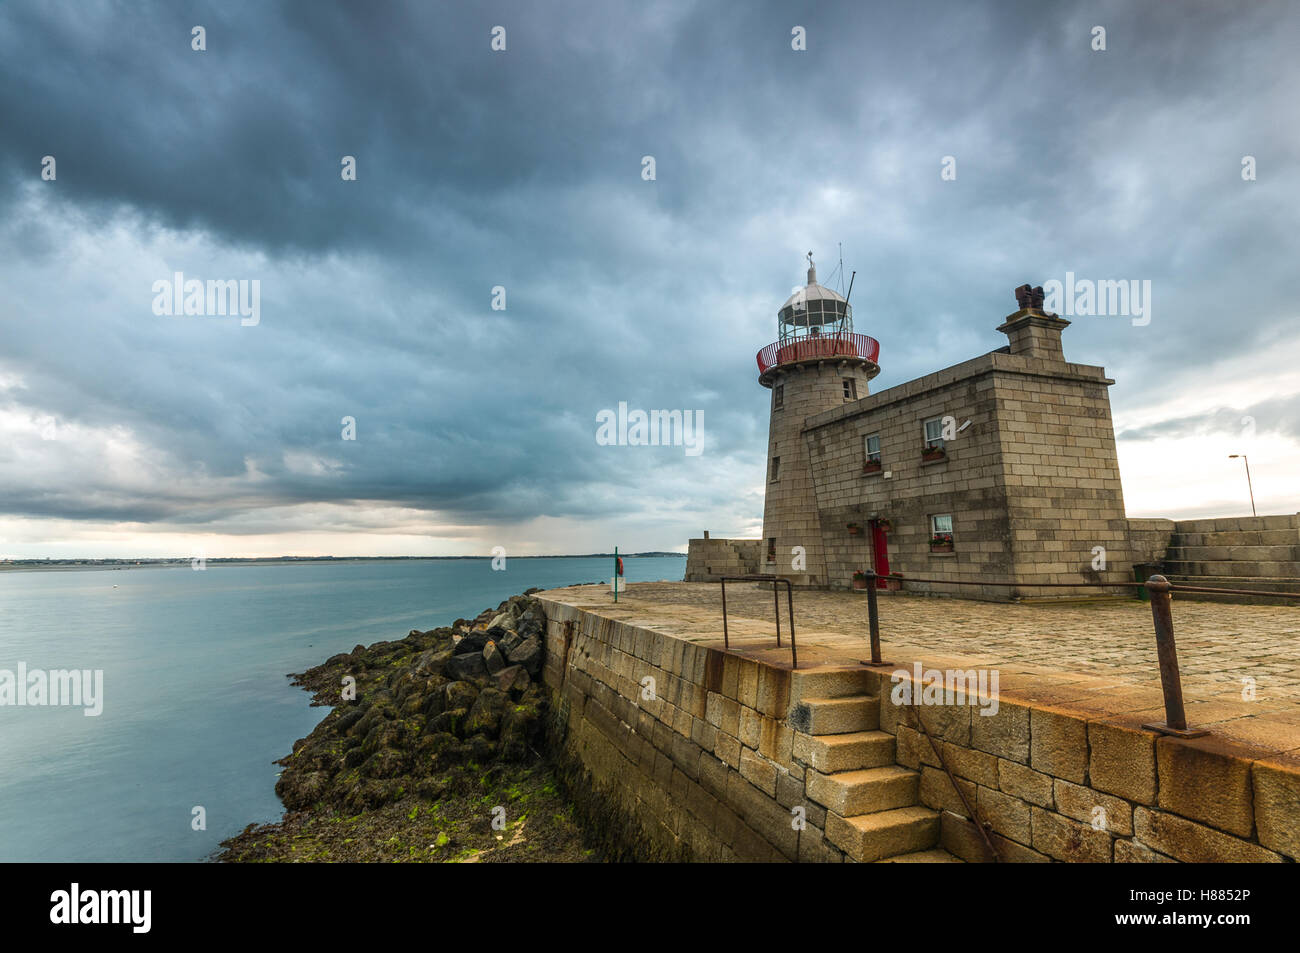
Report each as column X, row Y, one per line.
column 1141, row 573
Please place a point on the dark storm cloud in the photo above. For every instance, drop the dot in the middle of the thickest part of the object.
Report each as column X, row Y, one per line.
column 522, row 169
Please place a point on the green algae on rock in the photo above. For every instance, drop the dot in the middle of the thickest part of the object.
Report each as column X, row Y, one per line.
column 430, row 727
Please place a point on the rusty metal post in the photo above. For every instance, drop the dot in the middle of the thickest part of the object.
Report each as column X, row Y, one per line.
column 873, row 619
column 776, row 609
column 789, row 602
column 725, row 644
column 1170, row 681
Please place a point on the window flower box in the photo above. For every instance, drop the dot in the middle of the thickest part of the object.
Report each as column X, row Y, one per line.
column 932, row 454
column 894, row 581
column 872, row 466
column 941, row 543
column 859, row 580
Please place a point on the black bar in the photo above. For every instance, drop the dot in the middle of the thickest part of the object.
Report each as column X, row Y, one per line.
column 873, row 616
column 725, row 644
column 1170, row 681
column 776, row 611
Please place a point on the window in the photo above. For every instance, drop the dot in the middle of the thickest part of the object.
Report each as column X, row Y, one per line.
column 778, row 397
column 850, row 389
column 934, row 433
column 776, row 468
column 871, row 447
column 771, row 549
column 941, row 533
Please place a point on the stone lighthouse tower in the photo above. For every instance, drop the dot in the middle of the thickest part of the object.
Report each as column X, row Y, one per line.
column 817, row 363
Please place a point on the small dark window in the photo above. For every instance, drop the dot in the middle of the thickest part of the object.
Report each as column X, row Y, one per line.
column 850, row 389
column 778, row 397
column 771, row 549
column 776, row 468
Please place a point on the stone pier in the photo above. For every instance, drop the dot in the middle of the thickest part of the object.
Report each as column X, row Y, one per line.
column 694, row 752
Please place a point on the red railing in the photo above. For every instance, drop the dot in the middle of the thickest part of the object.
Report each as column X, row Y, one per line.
column 829, row 346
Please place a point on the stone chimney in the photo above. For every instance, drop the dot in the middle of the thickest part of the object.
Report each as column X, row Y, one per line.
column 1034, row 332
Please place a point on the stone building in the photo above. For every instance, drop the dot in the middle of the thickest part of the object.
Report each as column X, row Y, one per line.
column 1001, row 467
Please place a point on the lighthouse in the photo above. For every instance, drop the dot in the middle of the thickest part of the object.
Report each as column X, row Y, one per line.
column 816, row 364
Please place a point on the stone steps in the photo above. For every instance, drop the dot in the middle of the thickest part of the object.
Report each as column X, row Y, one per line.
column 835, row 716
column 855, row 750
column 1269, row 569
column 883, row 834
column 1236, row 553
column 1285, row 553
column 829, row 683
column 1268, row 584
column 1239, row 524
column 1264, row 537
column 865, row 791
column 935, row 855
column 873, row 810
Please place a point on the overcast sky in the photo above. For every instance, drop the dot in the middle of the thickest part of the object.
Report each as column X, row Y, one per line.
column 124, row 432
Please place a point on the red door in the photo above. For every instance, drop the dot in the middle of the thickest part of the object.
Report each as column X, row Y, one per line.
column 880, row 548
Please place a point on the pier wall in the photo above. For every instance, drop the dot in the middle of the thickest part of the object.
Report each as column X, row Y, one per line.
column 681, row 751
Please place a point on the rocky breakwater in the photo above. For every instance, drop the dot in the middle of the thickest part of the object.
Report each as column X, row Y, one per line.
column 436, row 721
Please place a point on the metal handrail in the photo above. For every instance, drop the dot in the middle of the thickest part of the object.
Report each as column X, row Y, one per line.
column 842, row 344
column 776, row 600
column 1157, row 587
column 979, row 822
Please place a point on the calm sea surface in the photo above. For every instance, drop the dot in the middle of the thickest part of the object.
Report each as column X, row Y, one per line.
column 196, row 706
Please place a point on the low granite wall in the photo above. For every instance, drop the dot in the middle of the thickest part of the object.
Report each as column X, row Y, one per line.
column 681, row 752
column 1056, row 784
column 708, row 559
column 694, row 765
column 1149, row 539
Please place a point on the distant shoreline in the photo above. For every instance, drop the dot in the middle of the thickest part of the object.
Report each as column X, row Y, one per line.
column 71, row 564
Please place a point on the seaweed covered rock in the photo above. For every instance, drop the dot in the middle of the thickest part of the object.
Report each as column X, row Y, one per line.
column 467, row 666
column 408, row 712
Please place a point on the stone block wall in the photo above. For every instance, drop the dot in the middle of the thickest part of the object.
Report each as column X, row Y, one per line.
column 708, row 559
column 1149, row 539
column 702, row 770
column 1061, row 473
column 1058, row 785
column 967, row 484
column 1031, row 480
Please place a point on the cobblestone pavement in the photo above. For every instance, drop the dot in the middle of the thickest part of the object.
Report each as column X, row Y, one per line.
column 1097, row 658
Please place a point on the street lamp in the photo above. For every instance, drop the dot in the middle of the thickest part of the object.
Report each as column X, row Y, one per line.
column 1233, row 456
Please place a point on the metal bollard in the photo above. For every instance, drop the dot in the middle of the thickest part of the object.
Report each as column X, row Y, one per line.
column 1170, row 681
column 776, row 607
column 873, row 619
